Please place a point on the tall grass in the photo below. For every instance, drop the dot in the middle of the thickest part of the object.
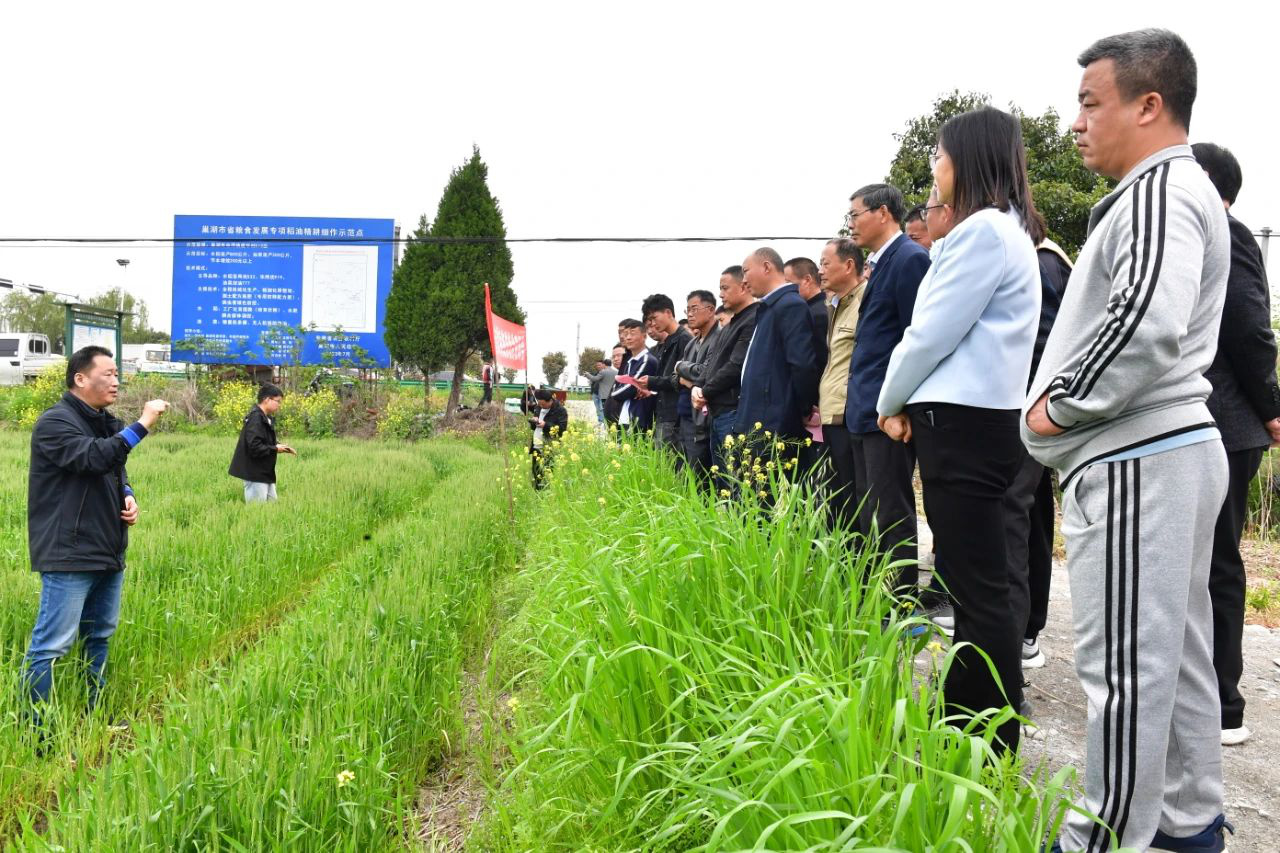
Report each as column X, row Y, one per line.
column 314, row 740
column 209, row 578
column 701, row 676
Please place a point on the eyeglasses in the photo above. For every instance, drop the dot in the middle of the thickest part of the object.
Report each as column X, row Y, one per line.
column 934, row 156
column 924, row 211
column 852, row 216
column 698, row 308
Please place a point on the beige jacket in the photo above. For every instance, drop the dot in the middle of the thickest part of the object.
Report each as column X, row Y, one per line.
column 841, row 325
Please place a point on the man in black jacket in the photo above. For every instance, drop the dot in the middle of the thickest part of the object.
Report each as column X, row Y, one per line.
column 659, row 314
column 79, row 509
column 1245, row 402
column 254, row 460
column 549, row 423
column 722, row 377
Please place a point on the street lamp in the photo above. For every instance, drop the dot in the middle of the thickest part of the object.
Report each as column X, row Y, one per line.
column 124, row 264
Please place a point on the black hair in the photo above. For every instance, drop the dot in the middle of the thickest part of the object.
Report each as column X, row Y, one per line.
column 656, row 303
column 914, row 214
column 847, row 250
column 804, row 267
column 990, row 166
column 1150, row 60
column 630, row 323
column 543, row 394
column 720, row 309
column 875, row 196
column 1223, row 169
column 82, row 359
column 267, row 391
column 769, row 255
column 735, row 271
column 704, row 296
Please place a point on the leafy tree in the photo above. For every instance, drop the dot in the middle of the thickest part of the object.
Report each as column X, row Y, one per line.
column 1063, row 189
column 137, row 322
column 435, row 311
column 587, row 360
column 35, row 312
column 509, row 375
column 553, row 364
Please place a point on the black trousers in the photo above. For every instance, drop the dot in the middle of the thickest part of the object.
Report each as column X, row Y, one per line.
column 541, row 465
column 1040, row 555
column 968, row 459
column 1227, row 584
column 843, row 489
column 882, row 472
column 488, row 394
column 696, row 444
column 1019, row 504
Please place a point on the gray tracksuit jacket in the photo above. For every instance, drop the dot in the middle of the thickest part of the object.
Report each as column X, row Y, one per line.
column 1124, row 365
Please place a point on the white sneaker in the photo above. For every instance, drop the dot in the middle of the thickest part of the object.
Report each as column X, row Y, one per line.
column 1032, row 657
column 1235, row 737
column 945, row 618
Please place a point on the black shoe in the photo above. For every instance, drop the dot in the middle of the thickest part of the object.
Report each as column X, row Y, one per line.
column 1208, row 840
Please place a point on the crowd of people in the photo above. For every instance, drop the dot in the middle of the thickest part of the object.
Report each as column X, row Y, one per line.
column 955, row 338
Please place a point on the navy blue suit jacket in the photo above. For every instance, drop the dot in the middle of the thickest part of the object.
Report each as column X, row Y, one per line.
column 887, row 303
column 780, row 378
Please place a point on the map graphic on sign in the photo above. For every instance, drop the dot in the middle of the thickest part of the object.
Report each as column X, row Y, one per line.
column 340, row 287
column 240, row 281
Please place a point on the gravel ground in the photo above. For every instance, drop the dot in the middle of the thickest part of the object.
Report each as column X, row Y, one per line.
column 1251, row 770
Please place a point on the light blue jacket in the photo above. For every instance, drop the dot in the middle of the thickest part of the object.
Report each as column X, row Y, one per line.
column 974, row 326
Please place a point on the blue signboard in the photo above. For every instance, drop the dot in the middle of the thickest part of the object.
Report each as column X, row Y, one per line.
column 244, row 285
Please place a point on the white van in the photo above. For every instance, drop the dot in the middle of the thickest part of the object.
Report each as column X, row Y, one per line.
column 29, row 352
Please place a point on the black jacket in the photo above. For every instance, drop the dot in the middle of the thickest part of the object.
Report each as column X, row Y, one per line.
column 1243, row 373
column 780, row 379
column 76, row 488
column 556, row 419
column 1054, row 274
column 818, row 313
column 664, row 381
column 722, row 377
column 255, row 456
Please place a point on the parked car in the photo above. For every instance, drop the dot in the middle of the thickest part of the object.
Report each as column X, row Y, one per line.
column 29, row 352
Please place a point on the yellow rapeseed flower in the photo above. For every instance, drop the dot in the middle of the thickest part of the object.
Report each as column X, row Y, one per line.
column 586, row 472
column 626, row 448
column 610, row 478
column 934, row 647
column 513, row 703
column 728, row 441
column 808, row 442
column 724, row 493
column 715, row 468
column 763, row 493
column 767, row 433
column 345, row 778
column 778, row 445
column 575, row 457
column 602, row 501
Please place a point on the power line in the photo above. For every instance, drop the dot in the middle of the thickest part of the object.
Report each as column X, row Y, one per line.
column 161, row 242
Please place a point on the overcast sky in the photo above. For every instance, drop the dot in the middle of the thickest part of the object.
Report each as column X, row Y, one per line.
column 596, row 119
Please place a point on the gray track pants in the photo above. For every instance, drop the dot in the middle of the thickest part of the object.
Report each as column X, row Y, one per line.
column 1139, row 534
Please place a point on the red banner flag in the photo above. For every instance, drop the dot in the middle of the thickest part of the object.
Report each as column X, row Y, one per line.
column 506, row 339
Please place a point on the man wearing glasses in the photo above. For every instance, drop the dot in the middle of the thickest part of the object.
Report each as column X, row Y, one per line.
column 885, row 466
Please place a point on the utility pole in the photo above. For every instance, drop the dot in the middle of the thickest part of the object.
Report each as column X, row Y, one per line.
column 577, row 350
